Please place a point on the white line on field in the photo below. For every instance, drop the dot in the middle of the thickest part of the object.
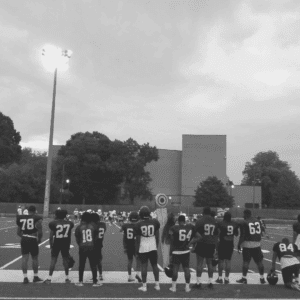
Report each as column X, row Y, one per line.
column 16, row 259
column 271, row 261
column 8, row 227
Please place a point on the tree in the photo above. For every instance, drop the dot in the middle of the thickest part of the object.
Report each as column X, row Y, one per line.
column 9, row 141
column 85, row 157
column 268, row 169
column 286, row 194
column 134, row 159
column 211, row 192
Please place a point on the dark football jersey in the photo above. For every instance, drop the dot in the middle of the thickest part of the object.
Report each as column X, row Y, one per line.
column 283, row 250
column 129, row 234
column 147, row 227
column 101, row 229
column 227, row 230
column 208, row 228
column 251, row 229
column 27, row 223
column 86, row 233
column 61, row 229
column 182, row 234
column 296, row 227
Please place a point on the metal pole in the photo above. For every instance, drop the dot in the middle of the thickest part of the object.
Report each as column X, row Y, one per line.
column 62, row 184
column 49, row 159
column 253, row 200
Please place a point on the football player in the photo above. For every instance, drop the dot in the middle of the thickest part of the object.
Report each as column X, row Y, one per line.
column 19, row 211
column 227, row 230
column 60, row 241
column 25, row 212
column 147, row 232
column 286, row 253
column 296, row 232
column 206, row 238
column 86, row 234
column 129, row 244
column 181, row 235
column 76, row 213
column 250, row 241
column 101, row 229
column 31, row 232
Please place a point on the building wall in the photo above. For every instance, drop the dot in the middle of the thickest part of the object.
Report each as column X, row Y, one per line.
column 244, row 194
column 202, row 156
column 166, row 173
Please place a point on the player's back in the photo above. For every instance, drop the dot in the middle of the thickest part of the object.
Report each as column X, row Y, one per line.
column 251, row 229
column 62, row 229
column 208, row 228
column 86, row 234
column 227, row 230
column 146, row 229
column 27, row 223
column 182, row 234
column 129, row 233
column 101, row 229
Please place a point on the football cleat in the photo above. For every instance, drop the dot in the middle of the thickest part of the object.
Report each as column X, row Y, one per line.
column 97, row 284
column 219, row 280
column 262, row 280
column 47, row 281
column 37, row 279
column 226, row 281
column 25, row 281
column 197, row 286
column 272, row 278
column 242, row 280
column 138, row 278
column 80, row 283
column 67, row 280
column 101, row 277
column 187, row 289
column 143, row 289
column 172, row 289
column 157, row 287
column 210, row 286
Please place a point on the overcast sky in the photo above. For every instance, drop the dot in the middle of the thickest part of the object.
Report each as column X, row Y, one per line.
column 156, row 69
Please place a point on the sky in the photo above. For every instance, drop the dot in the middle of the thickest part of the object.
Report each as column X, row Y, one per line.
column 153, row 70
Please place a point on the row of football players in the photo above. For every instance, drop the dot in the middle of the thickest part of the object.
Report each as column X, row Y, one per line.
column 141, row 240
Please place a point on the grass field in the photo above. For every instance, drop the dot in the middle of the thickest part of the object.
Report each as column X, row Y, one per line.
column 115, row 285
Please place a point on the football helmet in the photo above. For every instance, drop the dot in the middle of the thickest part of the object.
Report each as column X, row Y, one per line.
column 144, row 212
column 71, row 261
column 169, row 270
column 272, row 278
column 134, row 216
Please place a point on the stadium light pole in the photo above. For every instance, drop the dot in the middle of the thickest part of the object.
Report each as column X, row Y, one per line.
column 54, row 56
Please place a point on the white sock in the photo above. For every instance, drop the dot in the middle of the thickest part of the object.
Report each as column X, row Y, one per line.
column 174, row 285
column 145, row 284
column 262, row 276
column 50, row 277
column 67, row 276
column 209, row 280
column 245, row 277
column 187, row 285
column 227, row 278
column 25, row 275
column 157, row 283
column 198, row 280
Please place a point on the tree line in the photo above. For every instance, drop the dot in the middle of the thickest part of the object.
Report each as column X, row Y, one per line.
column 102, row 171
